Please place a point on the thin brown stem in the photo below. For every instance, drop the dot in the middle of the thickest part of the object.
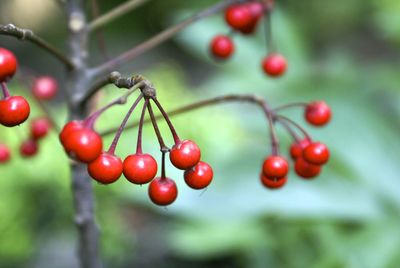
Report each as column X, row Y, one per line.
column 140, row 130
column 166, row 117
column 115, row 13
column 161, row 37
column 26, row 34
column 290, row 121
column 121, row 128
column 4, row 88
column 153, row 119
column 290, row 105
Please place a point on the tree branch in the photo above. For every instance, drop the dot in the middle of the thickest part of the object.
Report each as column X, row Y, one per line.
column 208, row 102
column 160, row 37
column 25, row 34
column 115, row 13
column 119, row 81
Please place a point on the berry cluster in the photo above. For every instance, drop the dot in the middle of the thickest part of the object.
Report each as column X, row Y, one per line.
column 14, row 110
column 309, row 156
column 82, row 143
column 244, row 18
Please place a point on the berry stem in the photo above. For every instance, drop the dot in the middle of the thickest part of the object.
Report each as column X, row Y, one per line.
column 290, row 105
column 140, row 131
column 268, row 33
column 163, row 165
column 292, row 133
column 114, row 143
column 166, row 117
column 163, row 147
column 4, row 88
column 284, row 118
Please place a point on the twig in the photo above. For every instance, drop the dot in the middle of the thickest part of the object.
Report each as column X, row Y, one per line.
column 115, row 13
column 113, row 78
column 204, row 103
column 160, row 37
column 25, row 34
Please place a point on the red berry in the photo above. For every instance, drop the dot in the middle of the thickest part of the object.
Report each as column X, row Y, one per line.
column 257, row 11
column 29, row 148
column 274, row 65
column 272, row 183
column 296, row 149
column 39, row 128
column 8, row 65
column 14, row 110
column 106, row 169
column 163, row 191
column 69, row 128
column 140, row 168
column 275, row 167
column 84, row 145
column 222, row 47
column 316, row 153
column 199, row 176
column 4, row 153
column 305, row 169
column 185, row 154
column 238, row 17
column 317, row 113
column 45, row 88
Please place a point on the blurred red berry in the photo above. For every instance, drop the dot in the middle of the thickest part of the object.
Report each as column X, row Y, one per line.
column 316, row 153
column 29, row 148
column 5, row 153
column 274, row 65
column 306, row 170
column 317, row 113
column 45, row 88
column 39, row 128
column 222, row 47
column 296, row 149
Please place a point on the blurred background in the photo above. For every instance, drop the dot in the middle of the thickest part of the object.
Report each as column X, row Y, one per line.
column 344, row 52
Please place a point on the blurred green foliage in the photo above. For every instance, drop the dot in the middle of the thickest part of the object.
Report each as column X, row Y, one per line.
column 345, row 52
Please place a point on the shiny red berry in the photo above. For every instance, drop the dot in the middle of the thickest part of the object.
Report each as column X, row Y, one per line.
column 8, row 65
column 272, row 183
column 140, row 168
column 274, row 65
column 256, row 10
column 305, row 169
column 45, row 88
column 84, row 145
column 222, row 47
column 185, row 154
column 29, row 148
column 199, row 176
column 69, row 128
column 5, row 154
column 106, row 169
column 238, row 17
column 296, row 149
column 275, row 167
column 317, row 113
column 14, row 110
column 163, row 191
column 316, row 153
column 39, row 128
